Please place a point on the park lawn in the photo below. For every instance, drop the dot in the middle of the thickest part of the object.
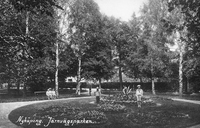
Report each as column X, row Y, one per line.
column 170, row 114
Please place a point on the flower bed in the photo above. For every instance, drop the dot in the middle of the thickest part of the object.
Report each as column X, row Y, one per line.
column 95, row 116
column 57, row 111
column 123, row 100
column 81, row 114
column 112, row 108
column 70, row 113
column 156, row 118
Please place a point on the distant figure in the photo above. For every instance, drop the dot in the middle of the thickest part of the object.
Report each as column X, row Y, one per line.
column 97, row 94
column 90, row 90
column 139, row 94
column 53, row 93
column 124, row 90
column 49, row 93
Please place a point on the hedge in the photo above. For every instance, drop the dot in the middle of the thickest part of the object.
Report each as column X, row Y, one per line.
column 159, row 86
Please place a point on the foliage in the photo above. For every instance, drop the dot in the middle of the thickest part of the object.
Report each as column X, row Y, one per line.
column 186, row 25
column 72, row 113
column 35, row 6
column 96, row 116
column 110, row 108
column 154, row 40
column 97, row 62
column 156, row 118
column 119, row 99
column 83, row 17
column 57, row 111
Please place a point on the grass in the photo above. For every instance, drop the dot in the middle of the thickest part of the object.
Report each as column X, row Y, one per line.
column 170, row 114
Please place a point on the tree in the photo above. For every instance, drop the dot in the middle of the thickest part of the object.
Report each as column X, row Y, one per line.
column 32, row 7
column 136, row 50
column 83, row 22
column 154, row 38
column 186, row 28
column 97, row 61
column 118, row 34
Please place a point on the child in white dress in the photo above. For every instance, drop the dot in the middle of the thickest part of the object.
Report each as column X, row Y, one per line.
column 139, row 94
column 48, row 93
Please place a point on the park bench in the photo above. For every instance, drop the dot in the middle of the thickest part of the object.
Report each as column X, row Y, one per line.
column 39, row 92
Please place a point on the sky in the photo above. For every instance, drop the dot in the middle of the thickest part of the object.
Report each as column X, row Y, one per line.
column 122, row 9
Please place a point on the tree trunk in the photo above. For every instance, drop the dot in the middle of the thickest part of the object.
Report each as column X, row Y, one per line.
column 141, row 80
column 57, row 64
column 27, row 34
column 188, row 85
column 152, row 78
column 99, row 83
column 181, row 73
column 78, row 76
column 8, row 89
column 27, row 23
column 120, row 68
column 100, row 86
column 120, row 76
column 153, row 86
column 24, row 90
column 18, row 87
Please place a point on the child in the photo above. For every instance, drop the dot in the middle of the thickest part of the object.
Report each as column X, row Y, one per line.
column 97, row 94
column 139, row 94
column 53, row 93
column 48, row 93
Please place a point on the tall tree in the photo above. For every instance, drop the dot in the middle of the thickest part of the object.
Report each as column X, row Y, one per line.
column 118, row 33
column 61, row 42
column 154, row 39
column 83, row 23
column 186, row 28
column 97, row 61
column 32, row 7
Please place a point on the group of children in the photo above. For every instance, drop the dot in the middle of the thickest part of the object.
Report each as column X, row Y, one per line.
column 138, row 94
column 51, row 94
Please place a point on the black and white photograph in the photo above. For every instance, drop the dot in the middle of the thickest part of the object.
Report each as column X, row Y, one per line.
column 99, row 63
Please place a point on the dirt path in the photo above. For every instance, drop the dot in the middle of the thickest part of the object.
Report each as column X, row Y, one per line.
column 188, row 101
